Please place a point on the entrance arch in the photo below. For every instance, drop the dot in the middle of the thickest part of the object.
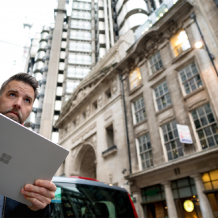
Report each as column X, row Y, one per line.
column 86, row 162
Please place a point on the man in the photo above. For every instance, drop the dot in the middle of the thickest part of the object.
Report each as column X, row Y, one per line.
column 17, row 95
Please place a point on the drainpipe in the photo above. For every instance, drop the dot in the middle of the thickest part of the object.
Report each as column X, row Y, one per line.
column 127, row 133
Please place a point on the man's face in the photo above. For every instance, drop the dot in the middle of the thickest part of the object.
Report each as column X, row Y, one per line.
column 17, row 100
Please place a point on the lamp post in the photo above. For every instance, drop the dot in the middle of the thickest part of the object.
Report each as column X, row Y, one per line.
column 193, row 16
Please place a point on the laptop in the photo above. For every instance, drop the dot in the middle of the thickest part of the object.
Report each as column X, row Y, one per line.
column 25, row 156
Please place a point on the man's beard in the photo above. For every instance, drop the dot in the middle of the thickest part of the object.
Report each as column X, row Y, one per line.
column 19, row 119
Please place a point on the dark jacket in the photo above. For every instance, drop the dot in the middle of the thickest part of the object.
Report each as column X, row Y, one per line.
column 13, row 208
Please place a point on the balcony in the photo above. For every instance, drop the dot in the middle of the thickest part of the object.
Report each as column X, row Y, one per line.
column 39, row 56
column 45, row 29
column 154, row 17
column 43, row 81
column 109, row 151
column 40, row 95
column 38, row 66
column 44, row 36
column 42, row 46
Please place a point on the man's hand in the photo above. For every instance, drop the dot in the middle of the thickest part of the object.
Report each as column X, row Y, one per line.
column 40, row 194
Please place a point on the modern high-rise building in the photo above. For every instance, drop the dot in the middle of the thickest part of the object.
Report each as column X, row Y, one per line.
column 74, row 45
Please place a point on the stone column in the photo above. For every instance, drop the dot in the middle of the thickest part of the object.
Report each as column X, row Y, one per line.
column 171, row 207
column 203, row 200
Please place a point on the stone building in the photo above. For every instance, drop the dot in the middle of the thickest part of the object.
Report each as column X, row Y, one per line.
column 167, row 81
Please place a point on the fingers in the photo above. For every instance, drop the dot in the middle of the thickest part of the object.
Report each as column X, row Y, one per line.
column 46, row 184
column 37, row 190
column 40, row 194
column 37, row 204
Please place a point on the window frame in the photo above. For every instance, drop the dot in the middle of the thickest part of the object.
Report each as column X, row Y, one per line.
column 155, row 99
column 169, row 141
column 150, row 66
column 173, row 47
column 134, row 112
column 183, row 82
column 143, row 152
column 138, row 79
column 203, row 127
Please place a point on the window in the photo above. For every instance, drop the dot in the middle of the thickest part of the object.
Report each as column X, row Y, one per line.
column 77, row 72
column 108, row 93
column 171, row 140
column 110, row 136
column 84, row 115
column 210, row 180
column 156, row 63
column 135, row 78
column 139, row 110
column 71, row 85
column 190, row 78
column 153, row 193
column 145, row 151
column 180, row 43
column 206, row 126
column 183, row 188
column 74, row 124
column 162, row 96
column 95, row 105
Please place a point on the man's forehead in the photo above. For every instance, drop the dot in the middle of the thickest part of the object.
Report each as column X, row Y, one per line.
column 20, row 87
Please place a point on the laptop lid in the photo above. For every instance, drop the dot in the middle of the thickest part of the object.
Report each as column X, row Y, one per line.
column 25, row 156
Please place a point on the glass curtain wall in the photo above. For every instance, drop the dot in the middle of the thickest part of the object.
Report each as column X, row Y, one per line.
column 79, row 46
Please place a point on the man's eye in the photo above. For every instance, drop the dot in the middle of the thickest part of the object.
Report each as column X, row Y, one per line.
column 27, row 100
column 12, row 94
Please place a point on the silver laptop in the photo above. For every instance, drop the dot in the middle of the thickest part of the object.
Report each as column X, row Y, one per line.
column 25, row 156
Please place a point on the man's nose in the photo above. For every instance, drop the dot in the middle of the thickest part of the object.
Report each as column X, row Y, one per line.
column 17, row 104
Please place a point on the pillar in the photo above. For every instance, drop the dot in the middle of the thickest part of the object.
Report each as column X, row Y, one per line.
column 171, row 207
column 203, row 200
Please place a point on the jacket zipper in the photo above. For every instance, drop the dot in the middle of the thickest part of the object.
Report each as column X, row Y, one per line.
column 3, row 214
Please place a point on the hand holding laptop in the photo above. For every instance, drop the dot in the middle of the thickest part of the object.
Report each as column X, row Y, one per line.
column 40, row 194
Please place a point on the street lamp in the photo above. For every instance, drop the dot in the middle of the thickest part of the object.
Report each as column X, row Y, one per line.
column 193, row 16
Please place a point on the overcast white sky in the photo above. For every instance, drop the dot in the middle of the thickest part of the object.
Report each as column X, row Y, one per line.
column 13, row 13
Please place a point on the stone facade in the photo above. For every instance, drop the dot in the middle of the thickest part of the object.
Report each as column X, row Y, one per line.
column 96, row 105
column 155, row 100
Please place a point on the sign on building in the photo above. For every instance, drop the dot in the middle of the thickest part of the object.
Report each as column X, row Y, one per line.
column 184, row 134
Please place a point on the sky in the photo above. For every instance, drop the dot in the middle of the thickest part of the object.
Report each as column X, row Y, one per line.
column 13, row 37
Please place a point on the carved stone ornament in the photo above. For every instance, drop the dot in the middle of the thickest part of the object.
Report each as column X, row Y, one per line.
column 88, row 111
column 114, row 87
column 100, row 101
column 77, row 120
column 131, row 64
column 173, row 28
column 151, row 44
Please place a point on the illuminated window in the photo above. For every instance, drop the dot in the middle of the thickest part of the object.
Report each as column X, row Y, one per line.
column 139, row 110
column 162, row 96
column 145, row 151
column 180, row 43
column 190, row 78
column 171, row 140
column 135, row 78
column 210, row 180
column 156, row 62
column 206, row 126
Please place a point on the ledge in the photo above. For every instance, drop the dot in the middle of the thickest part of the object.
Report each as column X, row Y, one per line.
column 193, row 93
column 210, row 191
column 182, row 55
column 135, row 89
column 109, row 151
column 173, row 163
column 156, row 74
column 164, row 109
column 138, row 124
